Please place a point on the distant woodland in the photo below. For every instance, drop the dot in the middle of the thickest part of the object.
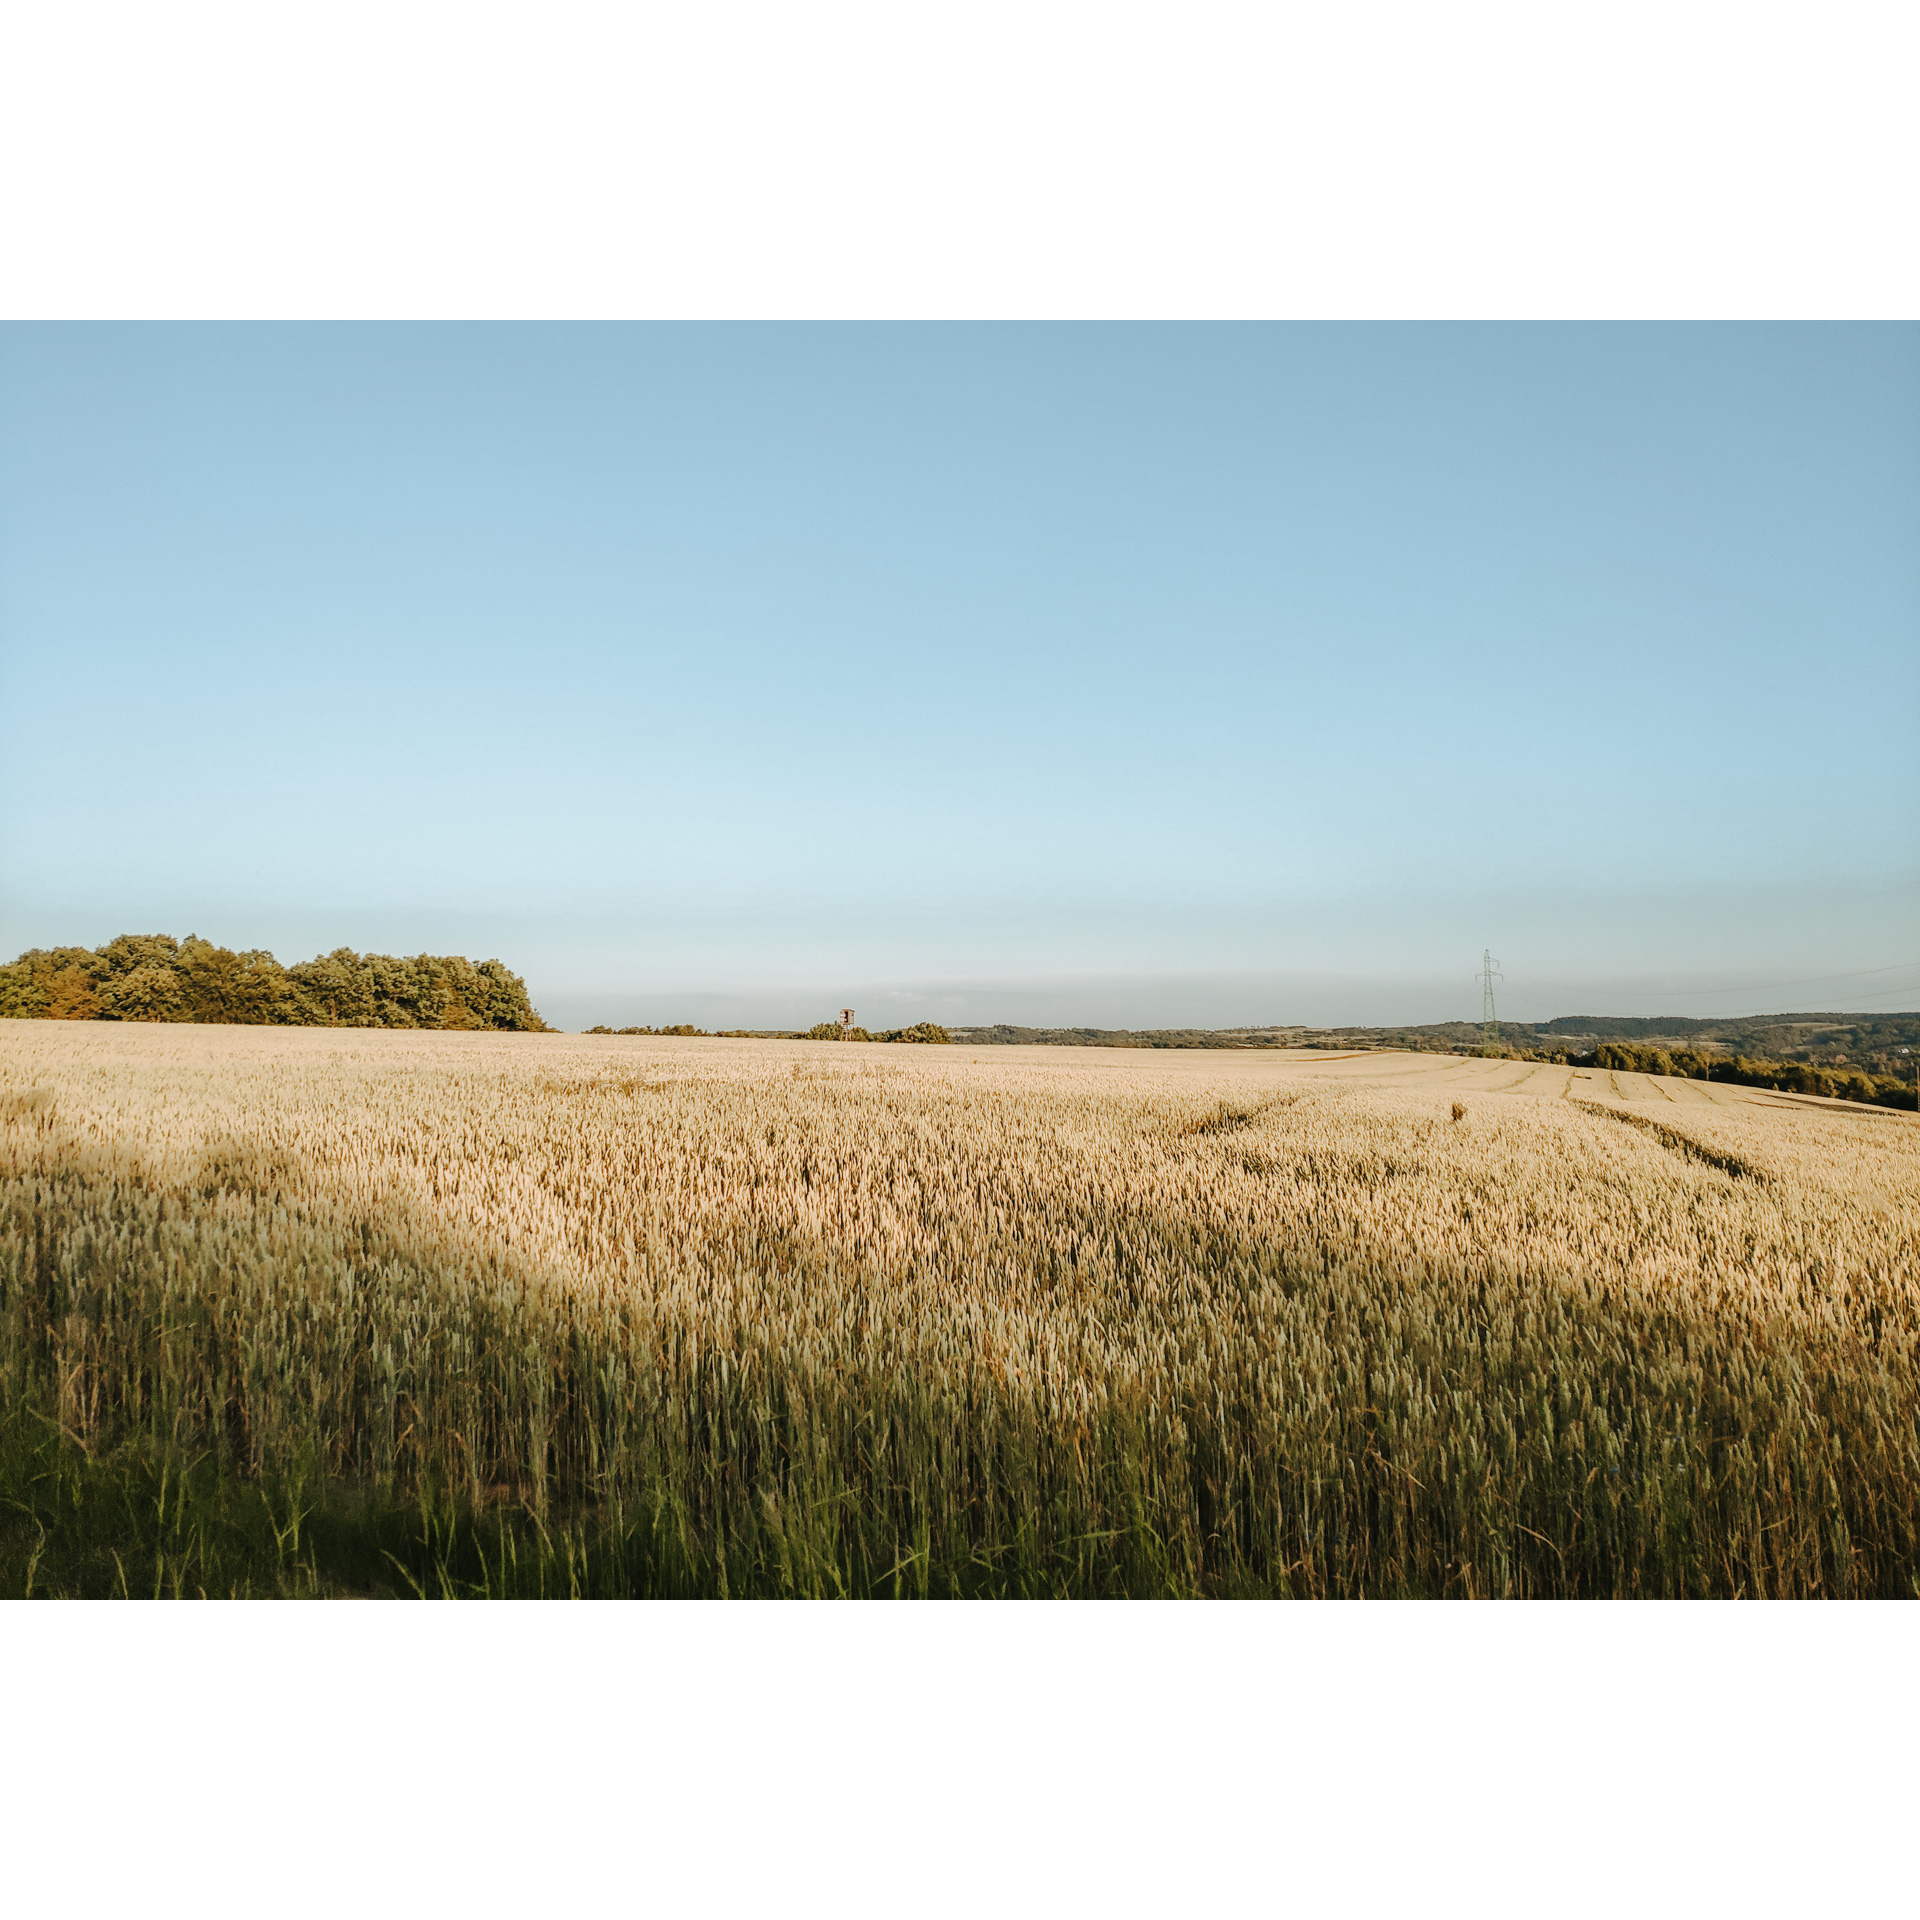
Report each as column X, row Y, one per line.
column 155, row 977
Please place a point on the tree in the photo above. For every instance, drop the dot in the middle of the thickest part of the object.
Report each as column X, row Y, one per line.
column 149, row 992
column 70, row 996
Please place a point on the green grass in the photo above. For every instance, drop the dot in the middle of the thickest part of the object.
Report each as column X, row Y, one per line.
column 143, row 1522
column 139, row 1523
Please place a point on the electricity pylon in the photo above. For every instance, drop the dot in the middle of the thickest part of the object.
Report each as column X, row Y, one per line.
column 1489, row 1021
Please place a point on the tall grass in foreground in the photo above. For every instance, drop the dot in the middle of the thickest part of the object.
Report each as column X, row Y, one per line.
column 291, row 1314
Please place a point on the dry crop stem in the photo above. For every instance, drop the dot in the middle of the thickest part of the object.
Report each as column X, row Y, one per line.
column 779, row 1317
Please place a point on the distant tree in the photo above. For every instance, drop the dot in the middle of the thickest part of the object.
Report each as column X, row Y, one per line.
column 333, row 991
column 71, row 996
column 134, row 950
column 149, row 992
column 27, row 986
column 228, row 988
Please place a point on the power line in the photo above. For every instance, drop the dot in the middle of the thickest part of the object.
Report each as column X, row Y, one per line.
column 1855, row 1003
column 1898, row 993
column 1879, row 893
column 1767, row 986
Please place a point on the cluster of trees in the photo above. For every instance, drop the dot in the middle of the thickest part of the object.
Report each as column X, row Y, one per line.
column 155, row 977
column 924, row 1034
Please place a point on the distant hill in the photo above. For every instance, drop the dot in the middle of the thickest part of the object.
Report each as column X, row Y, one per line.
column 1841, row 1039
column 1867, row 1040
column 153, row 976
column 1848, row 1056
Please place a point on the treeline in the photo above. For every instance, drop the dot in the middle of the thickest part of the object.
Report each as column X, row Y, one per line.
column 926, row 1033
column 923, row 1034
column 1006, row 1036
column 155, row 977
column 1782, row 1076
column 696, row 1033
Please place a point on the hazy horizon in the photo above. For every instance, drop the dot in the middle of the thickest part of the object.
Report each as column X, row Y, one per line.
column 1218, row 1003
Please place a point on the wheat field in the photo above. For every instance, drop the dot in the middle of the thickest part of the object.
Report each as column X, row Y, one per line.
column 651, row 1315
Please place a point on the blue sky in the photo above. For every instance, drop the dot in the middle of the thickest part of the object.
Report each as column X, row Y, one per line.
column 1124, row 675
